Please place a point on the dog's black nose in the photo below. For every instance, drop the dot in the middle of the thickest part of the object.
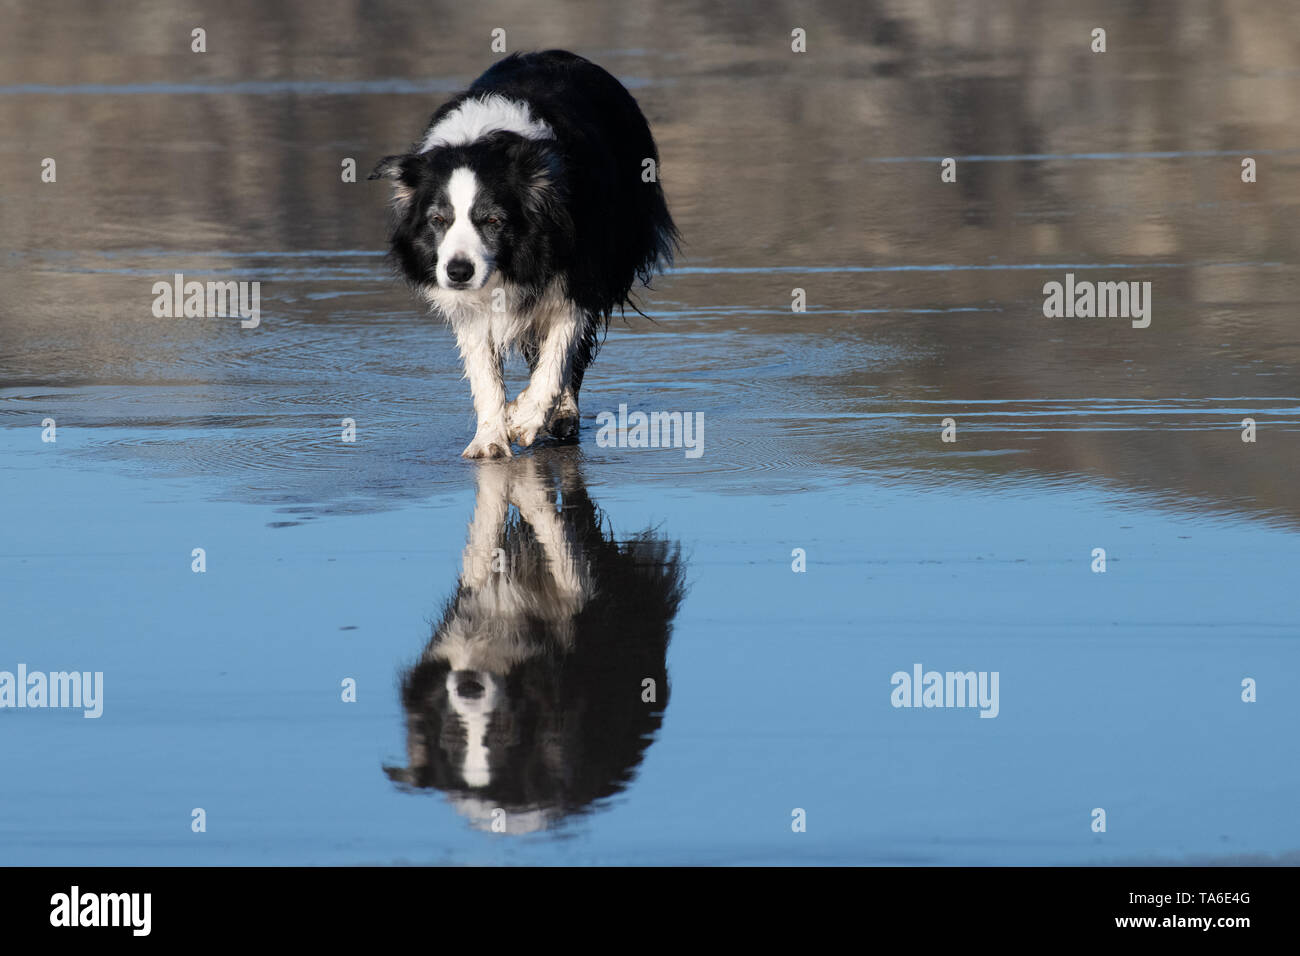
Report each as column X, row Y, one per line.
column 460, row 270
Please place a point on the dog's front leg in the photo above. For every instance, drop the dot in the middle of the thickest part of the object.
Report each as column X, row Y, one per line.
column 487, row 529
column 535, row 499
column 529, row 412
column 483, row 369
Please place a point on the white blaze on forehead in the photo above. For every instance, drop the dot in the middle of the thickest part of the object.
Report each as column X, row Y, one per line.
column 462, row 240
column 462, row 187
column 476, row 118
column 476, row 715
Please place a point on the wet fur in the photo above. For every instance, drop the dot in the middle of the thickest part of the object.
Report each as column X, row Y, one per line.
column 558, row 145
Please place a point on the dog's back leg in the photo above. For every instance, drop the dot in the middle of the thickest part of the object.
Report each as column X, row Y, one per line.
column 534, row 495
column 534, row 407
column 528, row 348
column 566, row 417
column 562, row 421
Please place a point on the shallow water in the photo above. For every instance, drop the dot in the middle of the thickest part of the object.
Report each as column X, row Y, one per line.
column 329, row 560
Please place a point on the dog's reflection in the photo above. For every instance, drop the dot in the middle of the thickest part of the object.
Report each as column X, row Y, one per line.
column 546, row 678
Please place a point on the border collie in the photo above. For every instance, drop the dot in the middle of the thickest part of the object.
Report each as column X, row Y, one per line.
column 523, row 218
column 530, row 696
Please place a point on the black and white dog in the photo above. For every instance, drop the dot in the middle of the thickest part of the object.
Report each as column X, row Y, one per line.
column 531, row 695
column 524, row 218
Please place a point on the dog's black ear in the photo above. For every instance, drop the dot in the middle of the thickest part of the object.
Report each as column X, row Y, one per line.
column 401, row 775
column 402, row 171
column 390, row 167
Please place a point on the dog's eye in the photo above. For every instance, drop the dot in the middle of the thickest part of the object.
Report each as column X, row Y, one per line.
column 493, row 221
column 438, row 220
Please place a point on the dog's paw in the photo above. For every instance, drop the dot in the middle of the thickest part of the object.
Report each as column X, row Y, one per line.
column 564, row 428
column 488, row 444
column 525, row 433
column 564, row 418
column 524, row 423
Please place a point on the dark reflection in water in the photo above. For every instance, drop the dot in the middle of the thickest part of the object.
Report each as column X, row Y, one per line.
column 546, row 677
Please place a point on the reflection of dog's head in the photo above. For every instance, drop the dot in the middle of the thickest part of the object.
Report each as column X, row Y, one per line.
column 530, row 697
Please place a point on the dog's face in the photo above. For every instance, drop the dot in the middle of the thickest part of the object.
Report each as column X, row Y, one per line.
column 474, row 697
column 463, row 214
column 467, row 224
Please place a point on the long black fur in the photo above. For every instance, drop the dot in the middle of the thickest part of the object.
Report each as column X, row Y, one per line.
column 581, row 209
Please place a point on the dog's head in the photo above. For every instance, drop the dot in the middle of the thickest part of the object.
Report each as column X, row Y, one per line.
column 464, row 213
